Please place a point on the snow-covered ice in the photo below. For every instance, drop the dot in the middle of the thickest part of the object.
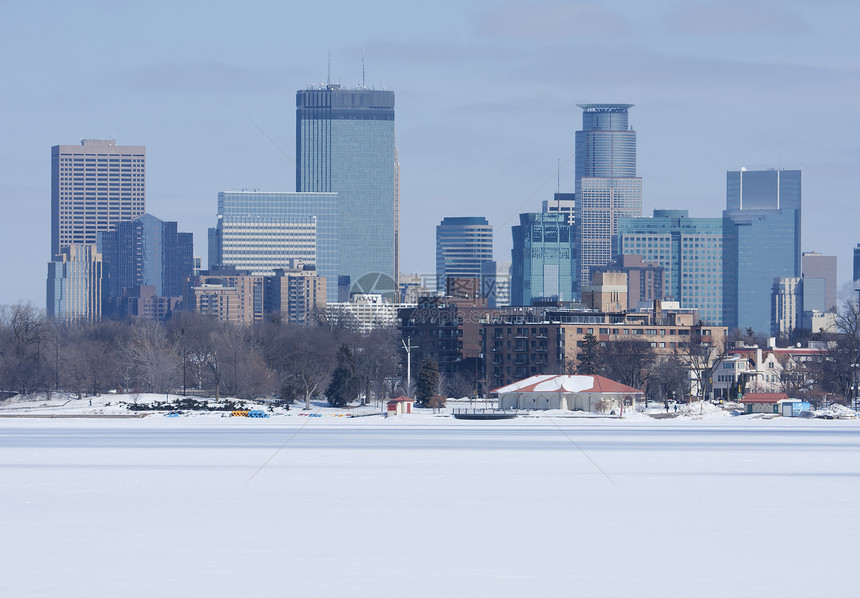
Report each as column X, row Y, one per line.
column 426, row 505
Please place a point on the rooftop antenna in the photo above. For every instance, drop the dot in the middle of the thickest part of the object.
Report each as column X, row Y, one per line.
column 362, row 69
column 328, row 80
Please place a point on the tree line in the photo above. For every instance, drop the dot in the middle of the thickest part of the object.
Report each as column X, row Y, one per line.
column 193, row 354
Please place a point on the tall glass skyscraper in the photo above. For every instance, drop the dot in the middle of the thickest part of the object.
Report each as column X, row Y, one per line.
column 761, row 243
column 607, row 187
column 146, row 251
column 462, row 244
column 543, row 258
column 262, row 231
column 345, row 145
column 690, row 250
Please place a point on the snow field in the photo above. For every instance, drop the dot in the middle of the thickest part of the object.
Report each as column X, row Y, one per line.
column 425, row 505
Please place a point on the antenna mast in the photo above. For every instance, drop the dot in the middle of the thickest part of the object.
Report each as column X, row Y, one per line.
column 363, row 86
column 328, row 80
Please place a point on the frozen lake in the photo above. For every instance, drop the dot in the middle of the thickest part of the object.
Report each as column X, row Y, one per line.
column 427, row 506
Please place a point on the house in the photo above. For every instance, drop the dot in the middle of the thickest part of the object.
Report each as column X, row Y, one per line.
column 399, row 406
column 573, row 393
column 764, row 402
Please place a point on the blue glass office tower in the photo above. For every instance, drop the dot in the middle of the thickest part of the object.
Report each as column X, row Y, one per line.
column 261, row 231
column 345, row 145
column 607, row 187
column 462, row 244
column 761, row 228
column 690, row 250
column 146, row 251
column 543, row 258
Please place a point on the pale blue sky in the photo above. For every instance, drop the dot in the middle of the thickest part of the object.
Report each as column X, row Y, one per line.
column 486, row 104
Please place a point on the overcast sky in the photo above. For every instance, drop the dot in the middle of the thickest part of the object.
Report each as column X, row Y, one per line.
column 486, row 96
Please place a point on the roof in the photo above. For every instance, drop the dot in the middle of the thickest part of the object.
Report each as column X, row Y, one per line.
column 563, row 383
column 764, row 397
column 401, row 400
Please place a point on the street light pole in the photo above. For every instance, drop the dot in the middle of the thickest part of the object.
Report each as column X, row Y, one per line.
column 407, row 344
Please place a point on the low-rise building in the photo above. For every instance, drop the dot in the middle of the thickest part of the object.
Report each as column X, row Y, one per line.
column 568, row 392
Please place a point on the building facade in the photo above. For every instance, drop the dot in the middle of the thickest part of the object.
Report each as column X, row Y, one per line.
column 543, row 259
column 525, row 342
column 787, row 306
column 93, row 186
column 74, row 290
column 264, row 231
column 690, row 251
column 296, row 294
column 496, row 283
column 345, row 144
column 462, row 245
column 761, row 242
column 607, row 187
column 148, row 252
column 815, row 265
column 561, row 202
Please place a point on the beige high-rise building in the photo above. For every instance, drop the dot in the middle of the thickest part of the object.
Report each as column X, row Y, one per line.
column 94, row 185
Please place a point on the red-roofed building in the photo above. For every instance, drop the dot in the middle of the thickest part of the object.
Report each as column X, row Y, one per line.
column 399, row 406
column 573, row 393
column 763, row 402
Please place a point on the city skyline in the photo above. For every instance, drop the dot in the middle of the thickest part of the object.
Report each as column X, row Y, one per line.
column 486, row 106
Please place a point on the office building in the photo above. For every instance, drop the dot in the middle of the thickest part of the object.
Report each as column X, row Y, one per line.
column 814, row 291
column 607, row 187
column 690, row 251
column 787, row 306
column 561, row 202
column 543, row 259
column 94, row 185
column 264, row 231
column 462, row 245
column 74, row 291
column 345, row 145
column 761, row 242
column 857, row 268
column 815, row 265
column 147, row 252
column 496, row 283
column 645, row 281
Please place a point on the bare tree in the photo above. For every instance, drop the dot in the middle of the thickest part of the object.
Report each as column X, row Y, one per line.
column 626, row 361
column 24, row 339
column 152, row 359
column 301, row 358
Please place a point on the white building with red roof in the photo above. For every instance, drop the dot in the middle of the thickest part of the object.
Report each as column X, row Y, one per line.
column 572, row 393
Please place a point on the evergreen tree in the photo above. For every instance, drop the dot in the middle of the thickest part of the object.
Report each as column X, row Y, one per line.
column 428, row 382
column 344, row 385
column 588, row 358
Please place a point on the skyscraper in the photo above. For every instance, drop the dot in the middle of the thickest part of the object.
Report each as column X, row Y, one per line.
column 93, row 186
column 690, row 250
column 345, row 145
column 543, row 258
column 263, row 231
column 146, row 251
column 815, row 265
column 462, row 244
column 74, row 291
column 761, row 243
column 607, row 187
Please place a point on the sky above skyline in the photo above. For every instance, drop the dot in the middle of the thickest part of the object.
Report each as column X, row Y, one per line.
column 486, row 96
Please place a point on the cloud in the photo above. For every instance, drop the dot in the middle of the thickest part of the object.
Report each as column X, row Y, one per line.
column 552, row 21
column 734, row 17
